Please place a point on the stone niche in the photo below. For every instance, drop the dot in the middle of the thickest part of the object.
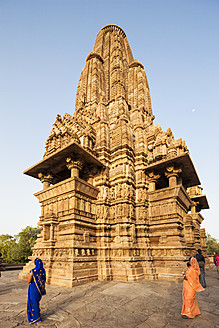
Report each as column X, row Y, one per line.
column 120, row 197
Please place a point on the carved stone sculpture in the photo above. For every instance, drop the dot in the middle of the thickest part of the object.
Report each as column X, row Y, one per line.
column 117, row 190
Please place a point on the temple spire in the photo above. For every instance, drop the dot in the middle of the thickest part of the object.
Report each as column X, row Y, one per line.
column 111, row 72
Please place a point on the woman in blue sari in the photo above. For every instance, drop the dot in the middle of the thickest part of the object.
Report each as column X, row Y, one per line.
column 36, row 289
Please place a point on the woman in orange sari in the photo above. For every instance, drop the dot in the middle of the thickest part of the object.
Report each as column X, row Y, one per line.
column 191, row 285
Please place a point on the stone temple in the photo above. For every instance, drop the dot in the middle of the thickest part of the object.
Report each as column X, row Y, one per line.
column 120, row 197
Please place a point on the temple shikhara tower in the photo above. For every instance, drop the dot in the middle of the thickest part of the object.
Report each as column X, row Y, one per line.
column 120, row 197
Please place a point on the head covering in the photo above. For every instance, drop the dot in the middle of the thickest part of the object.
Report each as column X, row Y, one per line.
column 194, row 264
column 39, row 275
column 192, row 275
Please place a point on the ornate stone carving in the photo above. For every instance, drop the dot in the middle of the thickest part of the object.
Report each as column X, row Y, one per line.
column 74, row 165
column 46, row 179
column 123, row 214
column 172, row 174
column 153, row 178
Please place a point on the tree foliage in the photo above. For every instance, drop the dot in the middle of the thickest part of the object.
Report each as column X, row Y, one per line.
column 17, row 248
column 7, row 245
column 212, row 245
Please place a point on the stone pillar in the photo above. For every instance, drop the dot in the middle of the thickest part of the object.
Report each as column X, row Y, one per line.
column 194, row 207
column 44, row 232
column 46, row 179
column 189, row 230
column 90, row 179
column 172, row 174
column 75, row 166
column 52, row 232
column 152, row 179
column 152, row 185
column 89, row 173
column 172, row 180
column 203, row 241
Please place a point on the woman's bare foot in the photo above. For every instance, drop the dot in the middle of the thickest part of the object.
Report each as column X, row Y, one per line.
column 185, row 317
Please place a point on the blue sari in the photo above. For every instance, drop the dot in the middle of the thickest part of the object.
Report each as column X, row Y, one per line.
column 35, row 291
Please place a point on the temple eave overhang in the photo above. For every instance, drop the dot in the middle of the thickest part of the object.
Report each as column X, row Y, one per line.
column 120, row 198
column 55, row 162
column 202, row 200
column 189, row 174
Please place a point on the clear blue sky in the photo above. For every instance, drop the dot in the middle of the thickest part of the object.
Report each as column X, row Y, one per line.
column 43, row 47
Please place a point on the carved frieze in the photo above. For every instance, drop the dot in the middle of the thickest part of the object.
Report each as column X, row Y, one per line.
column 115, row 198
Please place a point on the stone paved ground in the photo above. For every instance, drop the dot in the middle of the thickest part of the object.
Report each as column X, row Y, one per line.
column 146, row 304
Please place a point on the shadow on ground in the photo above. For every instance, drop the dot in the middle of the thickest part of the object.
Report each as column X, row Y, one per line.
column 115, row 304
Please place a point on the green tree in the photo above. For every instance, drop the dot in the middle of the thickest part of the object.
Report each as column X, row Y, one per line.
column 212, row 245
column 19, row 247
column 7, row 242
column 25, row 241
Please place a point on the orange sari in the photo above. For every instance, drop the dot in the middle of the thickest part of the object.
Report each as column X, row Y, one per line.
column 191, row 285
